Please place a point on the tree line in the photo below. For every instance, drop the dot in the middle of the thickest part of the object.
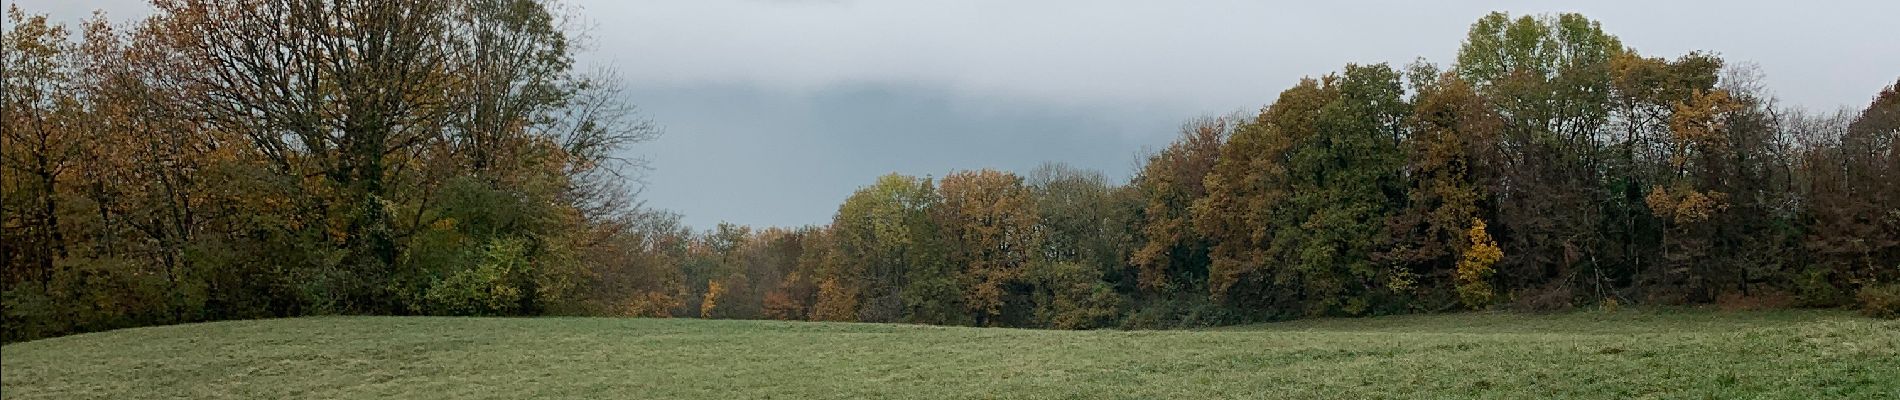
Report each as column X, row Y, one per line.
column 1549, row 167
column 268, row 158
column 278, row 158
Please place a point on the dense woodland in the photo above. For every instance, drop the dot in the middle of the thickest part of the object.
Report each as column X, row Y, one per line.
column 270, row 158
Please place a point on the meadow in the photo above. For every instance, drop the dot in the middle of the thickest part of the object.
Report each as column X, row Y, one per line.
column 1669, row 353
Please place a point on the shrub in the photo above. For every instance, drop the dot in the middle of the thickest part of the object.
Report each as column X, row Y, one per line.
column 1880, row 301
column 650, row 304
column 85, row 295
column 1555, row 296
column 836, row 302
column 493, row 287
column 1817, row 287
column 1183, row 312
column 29, row 314
column 780, row 305
column 1760, row 299
column 1098, row 309
column 1073, row 296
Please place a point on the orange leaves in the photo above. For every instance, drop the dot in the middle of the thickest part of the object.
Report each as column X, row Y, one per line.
column 780, row 305
column 990, row 218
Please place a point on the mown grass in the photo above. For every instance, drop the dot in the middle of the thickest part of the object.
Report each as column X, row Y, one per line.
column 1651, row 354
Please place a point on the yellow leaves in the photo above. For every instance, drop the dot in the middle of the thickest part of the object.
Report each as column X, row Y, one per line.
column 444, row 224
column 1475, row 268
column 650, row 304
column 1701, row 122
column 713, row 290
column 1661, row 203
column 1402, row 281
column 1684, row 205
column 503, row 297
column 836, row 302
column 32, row 37
column 1634, row 74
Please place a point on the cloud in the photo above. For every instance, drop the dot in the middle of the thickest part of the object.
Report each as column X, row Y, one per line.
column 756, row 155
column 73, row 11
column 1201, row 55
column 777, row 109
column 1195, row 55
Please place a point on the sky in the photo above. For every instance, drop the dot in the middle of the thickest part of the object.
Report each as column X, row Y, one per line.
column 776, row 110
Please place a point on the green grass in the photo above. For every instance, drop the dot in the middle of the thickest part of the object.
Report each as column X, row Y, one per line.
column 1653, row 354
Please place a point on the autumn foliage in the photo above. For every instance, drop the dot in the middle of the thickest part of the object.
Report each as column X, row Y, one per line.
column 278, row 158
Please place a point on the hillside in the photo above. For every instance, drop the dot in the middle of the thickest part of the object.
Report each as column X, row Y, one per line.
column 1669, row 354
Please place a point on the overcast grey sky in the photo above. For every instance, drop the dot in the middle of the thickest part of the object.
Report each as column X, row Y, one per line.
column 776, row 110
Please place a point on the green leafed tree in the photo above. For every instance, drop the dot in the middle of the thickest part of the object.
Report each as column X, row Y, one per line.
column 1550, row 79
column 887, row 253
column 1084, row 226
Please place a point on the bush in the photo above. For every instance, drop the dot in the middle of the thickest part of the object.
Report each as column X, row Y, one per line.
column 86, row 295
column 649, row 305
column 493, row 287
column 1550, row 297
column 29, row 314
column 1761, row 299
column 1098, row 309
column 1187, row 312
column 1073, row 296
column 836, row 302
column 1880, row 301
column 780, row 305
column 1818, row 287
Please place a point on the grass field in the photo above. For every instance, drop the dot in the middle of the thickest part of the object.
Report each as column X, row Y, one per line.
column 1659, row 354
